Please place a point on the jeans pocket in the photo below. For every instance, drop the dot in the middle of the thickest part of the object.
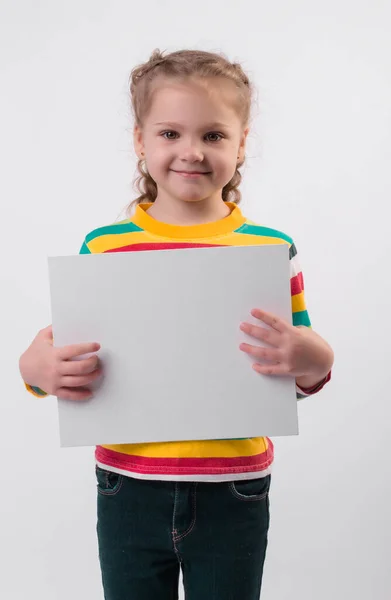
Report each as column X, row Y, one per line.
column 108, row 482
column 250, row 490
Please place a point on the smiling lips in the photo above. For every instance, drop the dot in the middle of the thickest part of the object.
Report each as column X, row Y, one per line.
column 191, row 174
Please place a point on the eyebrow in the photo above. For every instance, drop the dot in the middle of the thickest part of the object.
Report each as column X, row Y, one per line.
column 215, row 125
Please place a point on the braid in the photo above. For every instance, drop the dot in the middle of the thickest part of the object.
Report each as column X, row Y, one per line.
column 145, row 185
column 231, row 192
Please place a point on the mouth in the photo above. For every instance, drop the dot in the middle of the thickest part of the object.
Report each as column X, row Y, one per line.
column 191, row 174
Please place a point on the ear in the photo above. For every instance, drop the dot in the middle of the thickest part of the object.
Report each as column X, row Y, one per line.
column 138, row 142
column 242, row 145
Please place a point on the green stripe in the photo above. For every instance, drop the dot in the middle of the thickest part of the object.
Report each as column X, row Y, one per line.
column 292, row 251
column 116, row 228
column 38, row 391
column 265, row 231
column 301, row 318
column 84, row 249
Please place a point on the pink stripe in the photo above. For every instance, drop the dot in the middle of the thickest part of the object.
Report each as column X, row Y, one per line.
column 297, row 284
column 189, row 472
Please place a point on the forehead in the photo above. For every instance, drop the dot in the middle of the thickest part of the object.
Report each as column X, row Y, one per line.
column 195, row 102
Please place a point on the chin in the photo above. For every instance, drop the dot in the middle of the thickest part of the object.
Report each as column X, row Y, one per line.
column 188, row 196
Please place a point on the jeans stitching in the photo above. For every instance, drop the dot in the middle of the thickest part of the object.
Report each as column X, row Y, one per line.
column 253, row 498
column 174, row 531
column 192, row 524
column 114, row 490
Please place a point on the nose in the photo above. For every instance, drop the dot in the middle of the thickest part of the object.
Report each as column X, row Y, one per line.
column 191, row 152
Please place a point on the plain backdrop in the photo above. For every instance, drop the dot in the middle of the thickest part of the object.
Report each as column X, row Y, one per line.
column 318, row 168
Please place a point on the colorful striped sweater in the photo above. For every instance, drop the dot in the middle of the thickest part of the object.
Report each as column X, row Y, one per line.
column 214, row 460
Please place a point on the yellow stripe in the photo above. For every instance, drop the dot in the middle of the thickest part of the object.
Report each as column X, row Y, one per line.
column 298, row 302
column 240, row 239
column 117, row 240
column 232, row 239
column 195, row 449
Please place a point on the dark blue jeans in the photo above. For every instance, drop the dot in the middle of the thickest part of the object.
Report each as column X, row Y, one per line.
column 149, row 530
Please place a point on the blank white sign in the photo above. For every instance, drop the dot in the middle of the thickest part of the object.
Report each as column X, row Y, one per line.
column 168, row 323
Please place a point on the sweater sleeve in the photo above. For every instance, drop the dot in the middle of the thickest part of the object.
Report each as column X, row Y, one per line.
column 35, row 391
column 300, row 314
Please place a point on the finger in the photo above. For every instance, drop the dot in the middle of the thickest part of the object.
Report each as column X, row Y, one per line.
column 47, row 333
column 74, row 394
column 275, row 322
column 261, row 333
column 71, row 382
column 262, row 353
column 279, row 369
column 79, row 367
column 73, row 350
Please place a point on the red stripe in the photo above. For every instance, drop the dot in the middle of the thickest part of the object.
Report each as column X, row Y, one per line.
column 160, row 246
column 185, row 466
column 297, row 284
column 316, row 388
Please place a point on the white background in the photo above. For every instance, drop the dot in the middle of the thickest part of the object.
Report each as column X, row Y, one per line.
column 317, row 168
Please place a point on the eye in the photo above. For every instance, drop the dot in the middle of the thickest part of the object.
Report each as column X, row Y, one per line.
column 169, row 135
column 215, row 134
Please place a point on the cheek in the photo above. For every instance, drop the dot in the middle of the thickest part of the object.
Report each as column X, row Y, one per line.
column 158, row 167
column 161, row 156
column 157, row 159
column 227, row 165
column 227, row 155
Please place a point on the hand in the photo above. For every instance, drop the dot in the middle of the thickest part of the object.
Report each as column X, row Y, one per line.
column 53, row 370
column 295, row 351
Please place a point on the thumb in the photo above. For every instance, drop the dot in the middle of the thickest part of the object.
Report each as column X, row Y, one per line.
column 47, row 333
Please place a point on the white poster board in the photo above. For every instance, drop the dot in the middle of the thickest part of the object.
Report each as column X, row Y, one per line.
column 168, row 324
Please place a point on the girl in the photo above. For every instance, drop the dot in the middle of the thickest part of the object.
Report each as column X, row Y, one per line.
column 201, row 506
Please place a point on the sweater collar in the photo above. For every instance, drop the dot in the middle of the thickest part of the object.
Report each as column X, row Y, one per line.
column 216, row 228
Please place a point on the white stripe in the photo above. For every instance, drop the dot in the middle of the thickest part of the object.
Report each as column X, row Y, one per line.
column 295, row 266
column 202, row 478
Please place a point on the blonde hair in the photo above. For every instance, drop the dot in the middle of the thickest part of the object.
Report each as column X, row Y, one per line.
column 185, row 64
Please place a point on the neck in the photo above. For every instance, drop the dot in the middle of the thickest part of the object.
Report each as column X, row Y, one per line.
column 179, row 212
